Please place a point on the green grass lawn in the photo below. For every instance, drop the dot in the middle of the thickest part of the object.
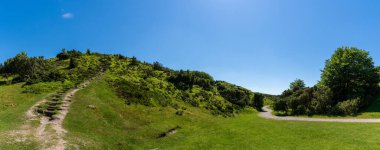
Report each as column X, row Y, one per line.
column 113, row 125
column 13, row 106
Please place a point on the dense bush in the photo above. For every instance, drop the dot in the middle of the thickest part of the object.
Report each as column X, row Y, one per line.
column 280, row 105
column 235, row 94
column 321, row 102
column 298, row 84
column 30, row 69
column 187, row 79
column 349, row 83
column 349, row 107
column 258, row 101
column 64, row 55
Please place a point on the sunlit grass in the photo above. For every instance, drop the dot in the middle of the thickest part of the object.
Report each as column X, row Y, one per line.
column 113, row 125
column 13, row 106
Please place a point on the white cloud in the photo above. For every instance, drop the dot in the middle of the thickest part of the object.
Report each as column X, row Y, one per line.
column 68, row 16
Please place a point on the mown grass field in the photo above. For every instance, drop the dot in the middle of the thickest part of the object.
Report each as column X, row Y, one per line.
column 13, row 106
column 113, row 125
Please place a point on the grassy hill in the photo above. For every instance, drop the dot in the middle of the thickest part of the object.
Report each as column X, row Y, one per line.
column 138, row 105
column 112, row 125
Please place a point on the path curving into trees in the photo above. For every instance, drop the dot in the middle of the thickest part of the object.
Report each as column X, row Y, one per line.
column 267, row 114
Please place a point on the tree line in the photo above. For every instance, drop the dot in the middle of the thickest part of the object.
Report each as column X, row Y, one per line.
column 349, row 83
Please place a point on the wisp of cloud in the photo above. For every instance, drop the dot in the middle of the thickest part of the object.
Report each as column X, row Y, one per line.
column 68, row 16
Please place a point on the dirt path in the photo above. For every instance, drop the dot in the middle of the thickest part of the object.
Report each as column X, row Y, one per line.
column 267, row 113
column 42, row 129
column 50, row 132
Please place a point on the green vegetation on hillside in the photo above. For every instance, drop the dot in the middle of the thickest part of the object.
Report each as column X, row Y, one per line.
column 136, row 82
column 112, row 125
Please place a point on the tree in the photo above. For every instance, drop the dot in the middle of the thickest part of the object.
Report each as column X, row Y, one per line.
column 88, row 52
column 258, row 101
column 350, row 73
column 31, row 70
column 157, row 66
column 297, row 84
column 72, row 63
column 63, row 55
column 134, row 61
column 1, row 68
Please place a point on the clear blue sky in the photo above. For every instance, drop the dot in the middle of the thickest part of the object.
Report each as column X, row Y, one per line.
column 262, row 45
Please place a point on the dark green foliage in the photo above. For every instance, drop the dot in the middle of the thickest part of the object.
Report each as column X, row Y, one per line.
column 298, row 84
column 134, row 61
column 1, row 68
column 258, row 101
column 235, row 94
column 158, row 66
column 88, row 52
column 120, row 56
column 187, row 79
column 64, row 55
column 30, row 69
column 280, row 105
column 349, row 83
column 298, row 102
column 348, row 107
column 350, row 73
column 72, row 63
column 321, row 102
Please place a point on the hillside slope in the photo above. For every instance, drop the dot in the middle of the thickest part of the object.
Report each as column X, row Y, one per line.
column 109, row 124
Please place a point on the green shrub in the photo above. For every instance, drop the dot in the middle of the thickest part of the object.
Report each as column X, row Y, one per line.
column 185, row 80
column 280, row 105
column 349, row 107
column 235, row 94
column 258, row 101
column 321, row 102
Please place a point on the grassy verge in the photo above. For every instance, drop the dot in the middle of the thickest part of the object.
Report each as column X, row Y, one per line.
column 13, row 106
column 113, row 125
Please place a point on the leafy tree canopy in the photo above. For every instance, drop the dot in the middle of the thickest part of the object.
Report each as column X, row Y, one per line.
column 350, row 73
column 298, row 84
